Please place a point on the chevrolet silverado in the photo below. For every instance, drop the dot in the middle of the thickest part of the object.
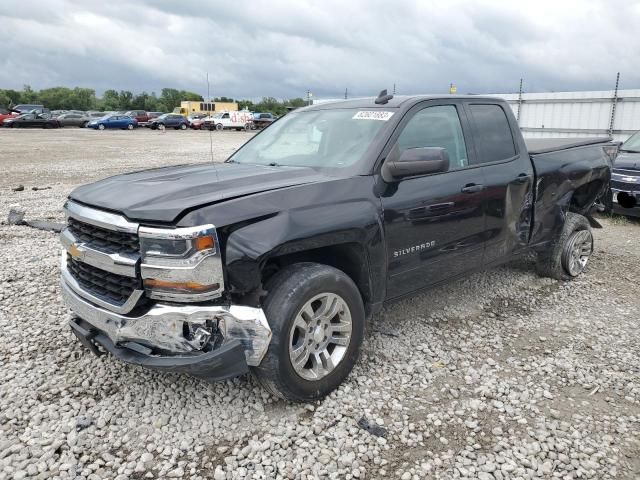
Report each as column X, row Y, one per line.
column 273, row 261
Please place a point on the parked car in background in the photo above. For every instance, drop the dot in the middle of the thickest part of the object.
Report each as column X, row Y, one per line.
column 196, row 120
column 113, row 121
column 141, row 116
column 73, row 119
column 153, row 115
column 262, row 120
column 95, row 116
column 169, row 120
column 625, row 179
column 26, row 108
column 32, row 120
column 240, row 120
column 197, row 123
column 6, row 114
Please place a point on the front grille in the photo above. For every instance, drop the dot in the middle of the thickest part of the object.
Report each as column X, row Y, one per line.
column 115, row 289
column 103, row 239
column 629, row 187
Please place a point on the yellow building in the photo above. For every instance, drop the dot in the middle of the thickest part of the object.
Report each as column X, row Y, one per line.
column 187, row 108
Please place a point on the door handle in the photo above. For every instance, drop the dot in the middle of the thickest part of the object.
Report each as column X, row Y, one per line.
column 440, row 206
column 472, row 188
column 522, row 178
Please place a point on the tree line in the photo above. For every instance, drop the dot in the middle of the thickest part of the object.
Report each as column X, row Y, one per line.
column 78, row 98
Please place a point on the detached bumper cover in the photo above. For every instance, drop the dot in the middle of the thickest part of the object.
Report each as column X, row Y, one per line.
column 154, row 338
column 225, row 362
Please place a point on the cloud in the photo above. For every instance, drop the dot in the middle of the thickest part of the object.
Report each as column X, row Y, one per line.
column 282, row 48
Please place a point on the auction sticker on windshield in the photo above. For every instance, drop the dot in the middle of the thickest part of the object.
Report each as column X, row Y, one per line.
column 373, row 115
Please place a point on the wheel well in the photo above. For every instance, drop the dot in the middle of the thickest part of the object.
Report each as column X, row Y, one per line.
column 583, row 197
column 350, row 258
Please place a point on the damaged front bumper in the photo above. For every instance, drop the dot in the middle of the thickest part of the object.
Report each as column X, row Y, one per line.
column 212, row 342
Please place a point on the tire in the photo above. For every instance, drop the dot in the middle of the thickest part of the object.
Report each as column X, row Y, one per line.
column 183, row 126
column 247, row 127
column 83, row 125
column 130, row 126
column 101, row 126
column 568, row 255
column 219, row 127
column 310, row 286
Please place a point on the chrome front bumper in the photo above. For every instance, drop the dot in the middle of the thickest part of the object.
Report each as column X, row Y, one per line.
column 162, row 326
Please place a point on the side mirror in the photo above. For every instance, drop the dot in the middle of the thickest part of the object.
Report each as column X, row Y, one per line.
column 415, row 161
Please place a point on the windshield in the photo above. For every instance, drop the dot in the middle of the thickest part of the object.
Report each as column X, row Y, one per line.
column 334, row 138
column 632, row 144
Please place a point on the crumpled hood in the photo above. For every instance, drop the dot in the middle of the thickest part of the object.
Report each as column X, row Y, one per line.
column 162, row 194
column 628, row 161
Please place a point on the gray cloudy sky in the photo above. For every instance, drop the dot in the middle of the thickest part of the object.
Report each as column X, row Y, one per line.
column 282, row 47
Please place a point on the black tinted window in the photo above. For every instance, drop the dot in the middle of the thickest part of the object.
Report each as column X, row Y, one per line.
column 436, row 127
column 493, row 137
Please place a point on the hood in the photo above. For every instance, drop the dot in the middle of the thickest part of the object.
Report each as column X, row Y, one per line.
column 162, row 194
column 628, row 161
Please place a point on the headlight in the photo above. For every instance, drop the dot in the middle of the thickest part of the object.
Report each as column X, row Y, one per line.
column 181, row 264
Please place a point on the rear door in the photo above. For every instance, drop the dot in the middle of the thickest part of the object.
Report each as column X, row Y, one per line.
column 509, row 177
column 434, row 224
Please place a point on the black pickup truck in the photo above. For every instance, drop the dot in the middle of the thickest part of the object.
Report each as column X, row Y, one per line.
column 273, row 261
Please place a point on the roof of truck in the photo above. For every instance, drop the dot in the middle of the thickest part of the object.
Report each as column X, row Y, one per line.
column 396, row 102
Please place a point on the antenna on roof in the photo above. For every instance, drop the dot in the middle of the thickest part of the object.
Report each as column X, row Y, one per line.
column 383, row 97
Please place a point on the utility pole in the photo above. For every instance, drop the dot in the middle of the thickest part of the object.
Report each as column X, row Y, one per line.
column 519, row 103
column 613, row 105
column 394, row 88
column 309, row 94
column 345, row 93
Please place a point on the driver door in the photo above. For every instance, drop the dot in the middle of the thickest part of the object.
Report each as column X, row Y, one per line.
column 434, row 223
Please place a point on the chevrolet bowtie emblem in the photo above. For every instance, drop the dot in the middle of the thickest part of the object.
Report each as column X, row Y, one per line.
column 74, row 251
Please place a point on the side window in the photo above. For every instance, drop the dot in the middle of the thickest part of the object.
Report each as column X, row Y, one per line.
column 494, row 141
column 437, row 127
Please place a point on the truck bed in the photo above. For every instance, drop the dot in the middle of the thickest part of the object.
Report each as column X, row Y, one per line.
column 537, row 146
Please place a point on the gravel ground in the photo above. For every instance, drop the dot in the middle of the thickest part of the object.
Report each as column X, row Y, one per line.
column 501, row 375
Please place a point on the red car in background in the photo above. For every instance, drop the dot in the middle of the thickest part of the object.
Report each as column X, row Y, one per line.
column 6, row 114
column 139, row 115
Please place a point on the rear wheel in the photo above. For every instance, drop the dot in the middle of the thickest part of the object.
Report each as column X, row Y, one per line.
column 569, row 253
column 317, row 319
column 130, row 126
column 101, row 127
column 247, row 127
column 183, row 126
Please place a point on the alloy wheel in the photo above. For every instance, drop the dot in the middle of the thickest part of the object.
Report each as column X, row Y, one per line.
column 577, row 252
column 320, row 336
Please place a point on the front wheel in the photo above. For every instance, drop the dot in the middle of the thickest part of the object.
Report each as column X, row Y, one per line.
column 183, row 126
column 569, row 253
column 317, row 320
column 219, row 126
column 101, row 127
column 130, row 127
